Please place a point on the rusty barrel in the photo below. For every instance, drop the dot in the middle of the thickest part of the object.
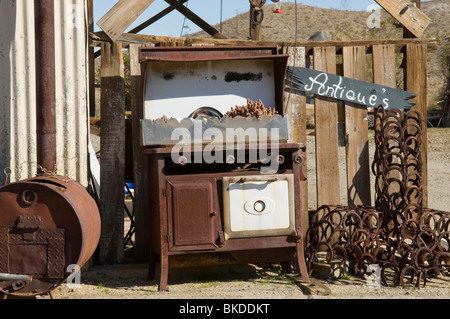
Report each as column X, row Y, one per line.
column 49, row 225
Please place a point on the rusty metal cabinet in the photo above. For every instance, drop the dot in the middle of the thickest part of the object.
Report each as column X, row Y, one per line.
column 188, row 213
column 211, row 205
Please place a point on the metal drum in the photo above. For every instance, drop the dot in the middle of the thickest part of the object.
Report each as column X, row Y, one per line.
column 49, row 226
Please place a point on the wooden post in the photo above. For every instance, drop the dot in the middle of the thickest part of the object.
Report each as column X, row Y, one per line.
column 327, row 157
column 295, row 108
column 256, row 17
column 416, row 82
column 140, row 162
column 112, row 154
column 356, row 132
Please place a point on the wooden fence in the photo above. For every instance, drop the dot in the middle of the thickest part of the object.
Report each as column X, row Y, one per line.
column 395, row 63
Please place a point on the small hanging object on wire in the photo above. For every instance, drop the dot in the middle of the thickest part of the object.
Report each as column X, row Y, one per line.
column 278, row 6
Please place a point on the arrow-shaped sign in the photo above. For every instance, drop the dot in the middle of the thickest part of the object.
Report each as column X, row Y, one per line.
column 346, row 89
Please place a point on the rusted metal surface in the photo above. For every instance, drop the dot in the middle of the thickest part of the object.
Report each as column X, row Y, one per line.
column 45, row 84
column 398, row 234
column 47, row 224
column 397, row 162
column 187, row 211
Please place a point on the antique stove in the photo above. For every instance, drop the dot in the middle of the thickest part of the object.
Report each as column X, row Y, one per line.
column 220, row 183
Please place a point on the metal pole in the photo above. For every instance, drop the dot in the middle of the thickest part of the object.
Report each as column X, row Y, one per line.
column 45, row 84
column 221, row 14
column 13, row 277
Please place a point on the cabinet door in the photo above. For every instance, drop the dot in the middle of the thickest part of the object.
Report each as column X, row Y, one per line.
column 191, row 214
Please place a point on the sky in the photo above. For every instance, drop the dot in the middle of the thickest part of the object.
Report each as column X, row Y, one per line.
column 212, row 11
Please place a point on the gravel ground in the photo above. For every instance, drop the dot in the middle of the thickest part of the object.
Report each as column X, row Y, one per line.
column 128, row 281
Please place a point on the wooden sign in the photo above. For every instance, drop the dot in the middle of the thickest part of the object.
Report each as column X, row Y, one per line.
column 346, row 89
column 408, row 14
column 121, row 16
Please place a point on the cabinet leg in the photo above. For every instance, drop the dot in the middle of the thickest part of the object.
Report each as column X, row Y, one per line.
column 301, row 262
column 164, row 270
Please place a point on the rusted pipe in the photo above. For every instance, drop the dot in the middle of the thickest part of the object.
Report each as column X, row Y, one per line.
column 45, row 84
column 6, row 277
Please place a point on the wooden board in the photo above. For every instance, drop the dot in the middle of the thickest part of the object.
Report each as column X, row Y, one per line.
column 121, row 16
column 384, row 73
column 356, row 132
column 327, row 157
column 409, row 15
column 98, row 37
column 416, row 81
column 384, row 68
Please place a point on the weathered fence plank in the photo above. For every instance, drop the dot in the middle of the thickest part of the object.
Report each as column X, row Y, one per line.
column 384, row 69
column 295, row 108
column 112, row 150
column 416, row 82
column 384, row 73
column 327, row 157
column 356, row 132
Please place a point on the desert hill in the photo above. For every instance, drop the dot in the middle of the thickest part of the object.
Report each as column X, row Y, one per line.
column 347, row 25
column 281, row 27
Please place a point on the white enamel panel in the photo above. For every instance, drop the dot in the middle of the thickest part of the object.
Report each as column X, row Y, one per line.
column 261, row 205
column 176, row 89
column 255, row 195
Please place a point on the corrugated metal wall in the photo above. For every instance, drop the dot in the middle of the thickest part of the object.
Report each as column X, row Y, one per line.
column 17, row 89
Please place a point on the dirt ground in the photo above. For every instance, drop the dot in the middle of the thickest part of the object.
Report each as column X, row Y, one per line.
column 128, row 281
